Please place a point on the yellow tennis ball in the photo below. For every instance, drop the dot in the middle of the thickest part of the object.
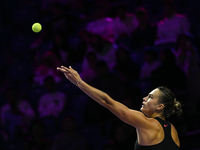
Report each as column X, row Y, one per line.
column 36, row 27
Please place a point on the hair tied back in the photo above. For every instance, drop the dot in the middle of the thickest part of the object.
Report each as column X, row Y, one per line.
column 177, row 106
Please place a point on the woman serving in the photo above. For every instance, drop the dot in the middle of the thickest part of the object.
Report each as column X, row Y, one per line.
column 153, row 131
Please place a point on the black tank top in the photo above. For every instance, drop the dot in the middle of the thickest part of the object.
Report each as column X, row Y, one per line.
column 166, row 144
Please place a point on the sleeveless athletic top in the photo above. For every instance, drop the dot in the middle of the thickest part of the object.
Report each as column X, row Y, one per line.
column 166, row 144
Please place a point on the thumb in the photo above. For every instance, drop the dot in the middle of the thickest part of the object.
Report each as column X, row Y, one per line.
column 66, row 75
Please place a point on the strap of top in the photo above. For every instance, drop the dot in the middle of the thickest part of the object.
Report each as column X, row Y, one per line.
column 166, row 127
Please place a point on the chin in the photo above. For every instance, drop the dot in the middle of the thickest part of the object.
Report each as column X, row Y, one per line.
column 143, row 111
column 142, row 108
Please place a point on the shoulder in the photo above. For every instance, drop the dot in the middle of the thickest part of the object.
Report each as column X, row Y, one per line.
column 162, row 22
column 108, row 19
column 152, row 134
column 180, row 16
column 148, row 123
column 173, row 130
column 174, row 135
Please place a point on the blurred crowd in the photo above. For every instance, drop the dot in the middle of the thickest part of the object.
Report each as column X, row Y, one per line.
column 123, row 47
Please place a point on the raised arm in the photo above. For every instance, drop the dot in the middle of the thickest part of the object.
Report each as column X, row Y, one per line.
column 132, row 117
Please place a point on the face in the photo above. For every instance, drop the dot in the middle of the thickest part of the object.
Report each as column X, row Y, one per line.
column 121, row 13
column 150, row 103
column 141, row 18
column 169, row 11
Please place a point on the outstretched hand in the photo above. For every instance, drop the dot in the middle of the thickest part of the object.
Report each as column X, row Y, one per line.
column 71, row 74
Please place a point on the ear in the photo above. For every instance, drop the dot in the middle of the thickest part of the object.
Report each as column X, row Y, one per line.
column 160, row 107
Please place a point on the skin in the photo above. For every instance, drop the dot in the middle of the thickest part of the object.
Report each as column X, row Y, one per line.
column 149, row 130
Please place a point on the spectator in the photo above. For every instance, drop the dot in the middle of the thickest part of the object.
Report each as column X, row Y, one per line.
column 58, row 20
column 126, row 68
column 81, row 49
column 151, row 63
column 169, row 74
column 37, row 139
column 108, row 82
column 106, row 79
column 103, row 48
column 145, row 34
column 124, row 23
column 62, row 49
column 171, row 26
column 16, row 116
column 17, row 106
column 70, row 138
column 88, row 74
column 188, row 60
column 120, row 136
column 51, row 103
column 46, row 68
column 101, row 24
column 185, row 53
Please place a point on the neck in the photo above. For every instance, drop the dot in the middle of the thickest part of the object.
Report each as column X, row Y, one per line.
column 161, row 117
column 158, row 115
column 171, row 15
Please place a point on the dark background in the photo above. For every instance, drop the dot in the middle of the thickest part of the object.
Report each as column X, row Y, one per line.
column 21, row 53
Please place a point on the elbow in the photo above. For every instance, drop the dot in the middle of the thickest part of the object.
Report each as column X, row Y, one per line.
column 107, row 101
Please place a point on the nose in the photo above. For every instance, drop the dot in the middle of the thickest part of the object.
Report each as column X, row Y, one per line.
column 144, row 98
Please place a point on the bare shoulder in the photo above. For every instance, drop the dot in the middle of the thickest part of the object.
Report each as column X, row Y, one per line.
column 151, row 134
column 174, row 134
column 148, row 123
column 138, row 120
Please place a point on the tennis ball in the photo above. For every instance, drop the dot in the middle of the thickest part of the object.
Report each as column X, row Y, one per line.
column 36, row 27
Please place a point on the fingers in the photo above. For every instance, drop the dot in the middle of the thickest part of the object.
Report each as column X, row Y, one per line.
column 64, row 70
column 63, row 67
column 70, row 73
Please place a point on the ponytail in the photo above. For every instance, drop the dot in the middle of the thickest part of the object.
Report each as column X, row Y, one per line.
column 177, row 108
